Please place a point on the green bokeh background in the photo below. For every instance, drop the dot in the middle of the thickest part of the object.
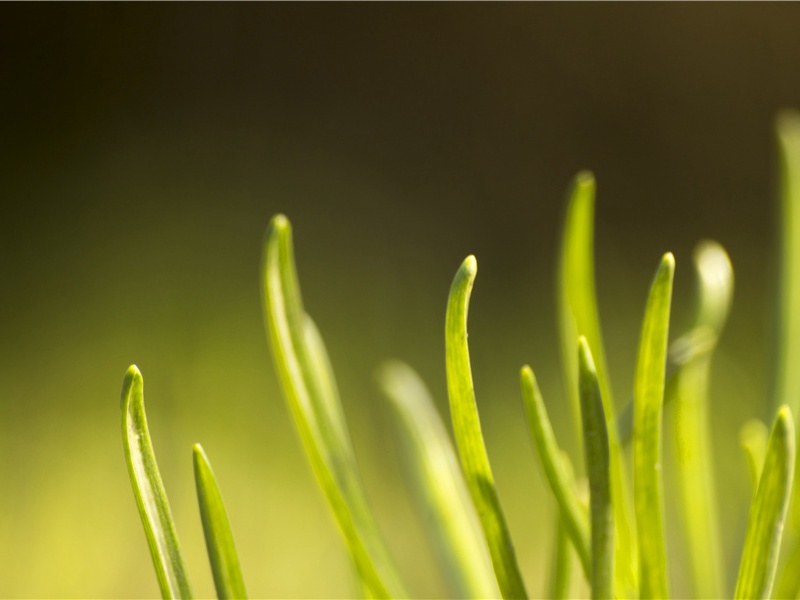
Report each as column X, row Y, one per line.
column 143, row 149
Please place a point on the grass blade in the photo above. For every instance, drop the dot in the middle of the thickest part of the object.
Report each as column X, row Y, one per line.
column 753, row 437
column 692, row 430
column 595, row 438
column 217, row 530
column 768, row 511
column 469, row 438
column 440, row 487
column 559, row 584
column 648, row 402
column 579, row 316
column 148, row 489
column 309, row 389
column 573, row 515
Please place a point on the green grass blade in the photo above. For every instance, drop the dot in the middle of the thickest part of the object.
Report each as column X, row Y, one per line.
column 309, row 389
column 692, row 428
column 440, row 487
column 559, row 584
column 573, row 515
column 148, row 489
column 753, row 437
column 768, row 511
column 595, row 439
column 217, row 530
column 647, row 413
column 789, row 582
column 469, row 438
column 579, row 316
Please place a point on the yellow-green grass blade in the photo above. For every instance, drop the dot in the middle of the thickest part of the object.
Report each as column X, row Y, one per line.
column 558, row 587
column 573, row 515
column 439, row 485
column 309, row 388
column 692, row 429
column 148, row 489
column 469, row 438
column 753, row 437
column 768, row 511
column 579, row 316
column 595, row 444
column 222, row 553
column 647, row 417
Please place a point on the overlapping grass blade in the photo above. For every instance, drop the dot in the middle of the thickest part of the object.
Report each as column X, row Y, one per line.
column 439, row 485
column 647, row 413
column 692, row 429
column 222, row 553
column 148, row 489
column 469, row 438
column 573, row 515
column 579, row 316
column 768, row 511
column 595, row 439
column 753, row 437
column 309, row 388
column 561, row 575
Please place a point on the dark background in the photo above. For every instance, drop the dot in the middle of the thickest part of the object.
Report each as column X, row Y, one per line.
column 143, row 149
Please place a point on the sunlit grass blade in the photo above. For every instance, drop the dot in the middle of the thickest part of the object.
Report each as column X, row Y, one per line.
column 647, row 414
column 217, row 530
column 439, row 485
column 753, row 437
column 595, row 444
column 579, row 316
column 148, row 489
column 692, row 428
column 767, row 513
column 469, row 438
column 558, row 587
column 556, row 472
column 309, row 388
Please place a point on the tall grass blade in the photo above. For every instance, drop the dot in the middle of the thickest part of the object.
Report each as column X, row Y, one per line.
column 469, row 438
column 647, row 413
column 768, row 511
column 692, row 428
column 753, row 437
column 310, row 391
column 148, row 489
column 440, row 487
column 573, row 516
column 579, row 316
column 559, row 584
column 595, row 438
column 222, row 553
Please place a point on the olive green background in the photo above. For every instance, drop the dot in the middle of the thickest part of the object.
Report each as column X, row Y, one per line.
column 143, row 149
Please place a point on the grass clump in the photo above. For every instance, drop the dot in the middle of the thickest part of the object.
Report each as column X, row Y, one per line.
column 617, row 532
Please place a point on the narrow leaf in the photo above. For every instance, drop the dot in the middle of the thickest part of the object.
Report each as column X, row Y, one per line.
column 561, row 576
column 648, row 401
column 753, row 437
column 595, row 439
column 148, row 489
column 573, row 516
column 469, row 438
column 217, row 530
column 309, row 388
column 768, row 511
column 439, row 485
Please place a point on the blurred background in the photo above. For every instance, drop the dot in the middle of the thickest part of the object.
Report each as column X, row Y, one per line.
column 144, row 148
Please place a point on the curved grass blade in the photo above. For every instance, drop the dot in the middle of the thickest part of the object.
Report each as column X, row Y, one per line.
column 469, row 438
column 768, row 511
column 692, row 430
column 573, row 515
column 648, row 402
column 579, row 316
column 439, row 484
column 222, row 554
column 753, row 437
column 559, row 584
column 309, row 389
column 595, row 438
column 148, row 489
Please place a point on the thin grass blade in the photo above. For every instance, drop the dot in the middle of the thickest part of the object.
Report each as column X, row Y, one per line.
column 753, row 437
column 647, row 414
column 148, row 489
column 469, row 438
column 561, row 576
column 440, row 487
column 221, row 548
column 767, row 513
column 595, row 440
column 309, row 388
column 573, row 516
